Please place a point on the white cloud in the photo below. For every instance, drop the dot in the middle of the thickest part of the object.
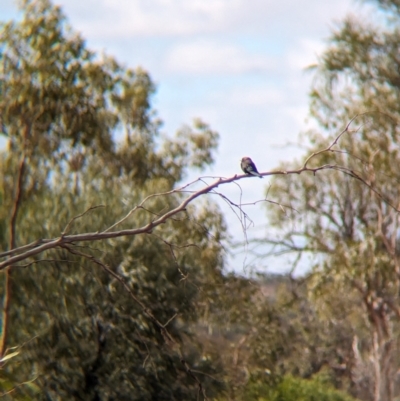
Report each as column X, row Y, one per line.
column 116, row 19
column 208, row 57
column 256, row 97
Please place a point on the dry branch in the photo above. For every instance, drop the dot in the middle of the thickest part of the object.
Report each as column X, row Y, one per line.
column 41, row 245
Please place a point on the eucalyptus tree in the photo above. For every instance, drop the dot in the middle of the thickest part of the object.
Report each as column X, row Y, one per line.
column 347, row 219
column 114, row 320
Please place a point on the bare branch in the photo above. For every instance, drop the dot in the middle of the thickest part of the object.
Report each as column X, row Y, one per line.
column 36, row 247
column 21, row 248
column 335, row 141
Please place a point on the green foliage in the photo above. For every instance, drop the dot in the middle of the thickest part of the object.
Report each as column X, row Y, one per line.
column 272, row 329
column 10, row 389
column 294, row 389
column 51, row 84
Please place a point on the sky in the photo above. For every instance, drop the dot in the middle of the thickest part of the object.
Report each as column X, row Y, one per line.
column 239, row 65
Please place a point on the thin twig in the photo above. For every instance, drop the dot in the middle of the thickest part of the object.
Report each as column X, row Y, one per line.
column 78, row 216
column 42, row 260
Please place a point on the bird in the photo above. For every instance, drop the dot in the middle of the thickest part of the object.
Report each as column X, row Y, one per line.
column 249, row 167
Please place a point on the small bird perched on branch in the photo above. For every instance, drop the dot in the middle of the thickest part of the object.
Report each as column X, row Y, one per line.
column 249, row 167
